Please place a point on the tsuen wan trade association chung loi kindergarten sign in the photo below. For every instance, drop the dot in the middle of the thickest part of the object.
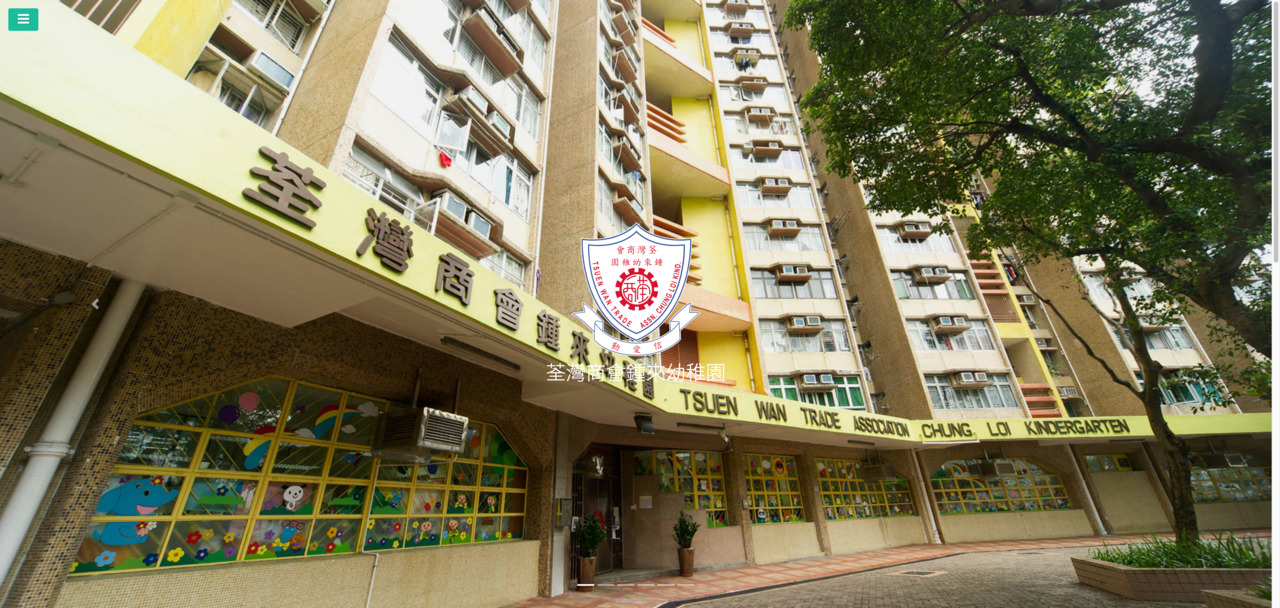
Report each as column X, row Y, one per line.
column 636, row 279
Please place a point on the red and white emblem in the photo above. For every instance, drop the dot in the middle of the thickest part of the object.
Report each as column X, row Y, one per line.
column 636, row 279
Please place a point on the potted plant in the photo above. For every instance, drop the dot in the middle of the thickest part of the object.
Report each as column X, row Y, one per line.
column 590, row 535
column 685, row 528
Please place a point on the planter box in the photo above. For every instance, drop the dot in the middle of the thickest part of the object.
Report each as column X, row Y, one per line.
column 1164, row 584
column 1234, row 599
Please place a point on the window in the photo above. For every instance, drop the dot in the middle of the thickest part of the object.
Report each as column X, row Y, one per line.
column 790, row 159
column 773, row 489
column 891, row 242
column 821, row 284
column 958, row 288
column 455, row 131
column 1177, row 390
column 846, row 495
column 971, row 486
column 279, row 17
column 799, row 197
column 755, row 237
column 277, row 468
column 977, row 337
column 833, row 338
column 846, row 394
column 507, row 266
column 369, row 174
column 248, row 105
column 772, row 95
column 1171, row 338
column 998, row 395
column 605, row 195
column 699, row 476
column 408, row 88
column 1246, row 478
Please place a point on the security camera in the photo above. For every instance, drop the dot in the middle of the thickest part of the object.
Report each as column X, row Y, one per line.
column 644, row 423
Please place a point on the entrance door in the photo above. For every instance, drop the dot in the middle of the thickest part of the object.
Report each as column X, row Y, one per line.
column 597, row 488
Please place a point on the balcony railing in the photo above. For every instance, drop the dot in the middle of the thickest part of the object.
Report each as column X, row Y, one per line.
column 110, row 15
column 1040, row 400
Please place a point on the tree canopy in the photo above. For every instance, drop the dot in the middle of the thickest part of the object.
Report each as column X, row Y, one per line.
column 1134, row 130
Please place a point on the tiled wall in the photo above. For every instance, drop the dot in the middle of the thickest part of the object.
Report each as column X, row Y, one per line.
column 183, row 347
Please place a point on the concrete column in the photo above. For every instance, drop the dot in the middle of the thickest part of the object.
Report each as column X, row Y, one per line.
column 563, row 479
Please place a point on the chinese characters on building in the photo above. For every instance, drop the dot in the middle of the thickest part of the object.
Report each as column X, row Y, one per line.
column 286, row 190
column 392, row 242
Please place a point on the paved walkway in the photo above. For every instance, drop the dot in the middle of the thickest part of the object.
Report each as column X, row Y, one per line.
column 655, row 592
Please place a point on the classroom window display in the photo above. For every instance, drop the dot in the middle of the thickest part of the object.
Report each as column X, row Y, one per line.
column 277, row 469
column 847, row 495
column 997, row 485
column 773, row 489
column 699, row 476
column 1230, row 478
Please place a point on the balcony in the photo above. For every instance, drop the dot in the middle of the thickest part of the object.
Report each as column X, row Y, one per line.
column 668, row 70
column 625, row 66
column 1041, row 401
column 670, row 229
column 679, row 171
column 494, row 40
column 679, row 10
column 624, row 22
column 989, row 276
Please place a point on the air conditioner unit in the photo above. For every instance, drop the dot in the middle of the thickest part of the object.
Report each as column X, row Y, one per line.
column 817, row 382
column 930, row 274
column 793, row 274
column 969, row 379
column 1026, row 299
column 760, row 114
column 948, row 325
column 1236, row 460
column 1068, row 391
column 741, row 28
column 783, row 228
column 914, row 230
column 814, row 320
column 774, row 185
column 753, row 83
column 1214, row 461
column 416, row 435
column 499, row 123
column 993, row 468
column 879, row 472
column 1043, row 343
column 735, row 6
column 263, row 65
column 802, row 325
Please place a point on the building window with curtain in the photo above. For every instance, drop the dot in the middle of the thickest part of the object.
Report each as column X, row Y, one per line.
column 999, row 394
column 847, row 393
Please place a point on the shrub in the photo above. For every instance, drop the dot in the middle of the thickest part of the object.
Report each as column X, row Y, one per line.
column 684, row 529
column 1262, row 591
column 590, row 534
column 1221, row 552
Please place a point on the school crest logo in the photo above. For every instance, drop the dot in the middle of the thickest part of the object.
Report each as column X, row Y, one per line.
column 636, row 279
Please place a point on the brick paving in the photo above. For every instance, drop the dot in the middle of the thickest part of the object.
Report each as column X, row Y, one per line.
column 1000, row 579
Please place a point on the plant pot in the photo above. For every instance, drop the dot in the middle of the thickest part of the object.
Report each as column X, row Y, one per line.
column 686, row 562
column 586, row 573
column 1164, row 584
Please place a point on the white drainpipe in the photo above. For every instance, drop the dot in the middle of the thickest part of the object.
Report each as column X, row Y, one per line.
column 55, row 442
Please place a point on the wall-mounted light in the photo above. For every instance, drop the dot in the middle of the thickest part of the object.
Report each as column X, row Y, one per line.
column 644, row 423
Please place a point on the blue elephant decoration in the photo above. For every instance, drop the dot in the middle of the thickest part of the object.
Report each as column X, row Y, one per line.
column 130, row 498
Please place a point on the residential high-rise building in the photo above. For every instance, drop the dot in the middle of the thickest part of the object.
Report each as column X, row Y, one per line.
column 286, row 288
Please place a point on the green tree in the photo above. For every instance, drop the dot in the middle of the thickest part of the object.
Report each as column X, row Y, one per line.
column 1134, row 131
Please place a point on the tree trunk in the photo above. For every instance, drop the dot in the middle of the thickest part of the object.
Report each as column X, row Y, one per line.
column 1175, row 448
column 1178, row 456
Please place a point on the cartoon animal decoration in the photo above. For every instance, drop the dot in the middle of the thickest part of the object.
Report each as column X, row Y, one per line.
column 141, row 497
column 292, row 496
